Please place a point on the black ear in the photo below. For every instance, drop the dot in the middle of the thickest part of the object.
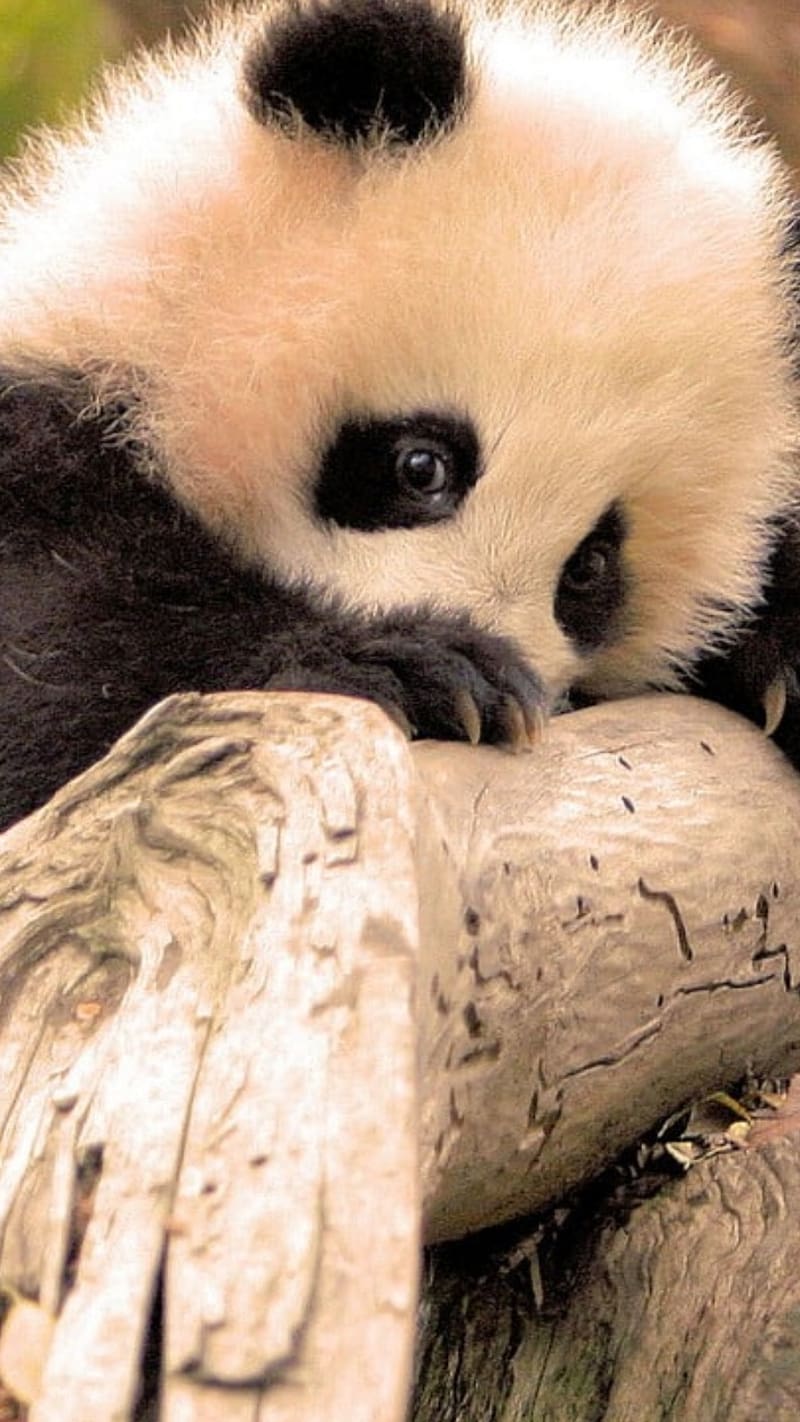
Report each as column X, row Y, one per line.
column 349, row 68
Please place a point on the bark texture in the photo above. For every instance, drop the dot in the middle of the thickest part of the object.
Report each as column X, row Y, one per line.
column 627, row 905
column 206, row 1005
column 225, row 950
column 683, row 1307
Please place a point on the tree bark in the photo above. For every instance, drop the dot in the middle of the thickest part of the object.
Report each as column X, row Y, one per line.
column 684, row 1307
column 627, row 903
column 222, row 950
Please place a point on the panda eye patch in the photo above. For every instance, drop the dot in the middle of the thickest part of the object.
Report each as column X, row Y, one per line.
column 592, row 585
column 400, row 472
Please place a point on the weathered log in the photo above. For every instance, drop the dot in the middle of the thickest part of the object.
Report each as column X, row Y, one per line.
column 208, row 951
column 684, row 1307
column 629, row 927
column 207, row 990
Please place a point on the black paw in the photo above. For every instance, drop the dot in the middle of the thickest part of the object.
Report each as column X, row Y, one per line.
column 438, row 677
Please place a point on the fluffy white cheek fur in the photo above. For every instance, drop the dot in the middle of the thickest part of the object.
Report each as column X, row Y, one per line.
column 483, row 563
column 598, row 360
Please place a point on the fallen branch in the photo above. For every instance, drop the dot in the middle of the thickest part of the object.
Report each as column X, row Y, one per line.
column 209, row 948
column 628, row 909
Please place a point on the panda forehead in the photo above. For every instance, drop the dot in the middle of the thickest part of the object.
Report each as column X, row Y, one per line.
column 543, row 170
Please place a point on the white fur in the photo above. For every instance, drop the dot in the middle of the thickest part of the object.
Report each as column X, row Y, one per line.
column 587, row 268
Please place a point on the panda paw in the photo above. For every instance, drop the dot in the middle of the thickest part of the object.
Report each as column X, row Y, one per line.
column 436, row 677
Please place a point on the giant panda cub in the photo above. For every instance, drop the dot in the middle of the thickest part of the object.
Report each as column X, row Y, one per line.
column 433, row 353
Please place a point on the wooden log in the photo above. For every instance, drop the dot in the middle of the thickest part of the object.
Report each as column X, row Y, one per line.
column 684, row 1305
column 208, row 948
column 221, row 952
column 629, row 938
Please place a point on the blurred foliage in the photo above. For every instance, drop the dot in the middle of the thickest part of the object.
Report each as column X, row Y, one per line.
column 148, row 19
column 48, row 48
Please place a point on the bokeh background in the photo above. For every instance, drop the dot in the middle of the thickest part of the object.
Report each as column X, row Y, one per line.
column 49, row 49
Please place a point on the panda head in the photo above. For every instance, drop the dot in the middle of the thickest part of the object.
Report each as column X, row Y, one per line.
column 480, row 305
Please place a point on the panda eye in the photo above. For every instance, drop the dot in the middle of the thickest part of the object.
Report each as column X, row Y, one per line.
column 593, row 585
column 425, row 470
column 587, row 568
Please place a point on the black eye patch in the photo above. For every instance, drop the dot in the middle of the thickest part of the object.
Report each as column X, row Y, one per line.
column 593, row 585
column 402, row 472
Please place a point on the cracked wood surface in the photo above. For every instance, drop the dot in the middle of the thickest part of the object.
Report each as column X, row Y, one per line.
column 221, row 951
column 629, row 938
column 213, row 990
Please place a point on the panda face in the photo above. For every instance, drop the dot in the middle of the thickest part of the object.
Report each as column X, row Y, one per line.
column 520, row 289
column 508, row 337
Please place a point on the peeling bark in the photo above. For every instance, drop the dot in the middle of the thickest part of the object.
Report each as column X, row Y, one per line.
column 222, row 950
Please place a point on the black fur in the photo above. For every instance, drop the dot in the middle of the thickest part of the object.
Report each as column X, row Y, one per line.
column 349, row 67
column 112, row 596
column 765, row 650
column 593, row 586
column 398, row 473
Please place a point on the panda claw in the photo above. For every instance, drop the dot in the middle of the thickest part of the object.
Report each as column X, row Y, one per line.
column 468, row 715
column 517, row 736
column 535, row 723
column 774, row 704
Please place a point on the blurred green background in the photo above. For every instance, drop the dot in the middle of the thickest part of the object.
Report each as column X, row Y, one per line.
column 49, row 48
